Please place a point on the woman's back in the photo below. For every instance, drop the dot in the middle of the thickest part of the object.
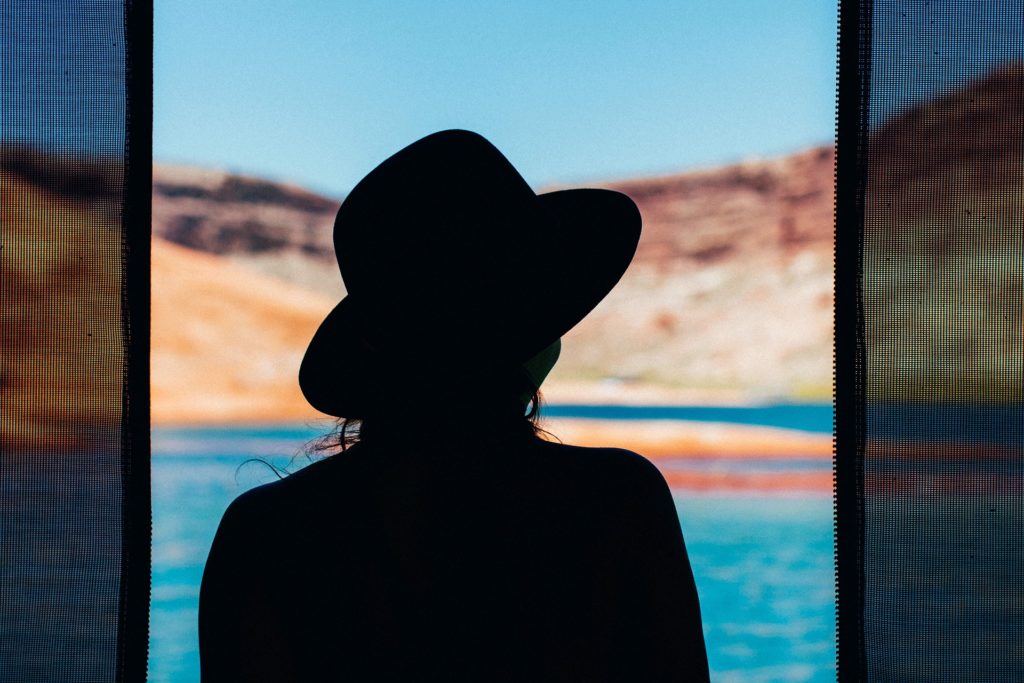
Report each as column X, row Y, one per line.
column 484, row 560
column 479, row 555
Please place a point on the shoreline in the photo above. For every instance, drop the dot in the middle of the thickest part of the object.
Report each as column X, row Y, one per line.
column 797, row 483
column 670, row 445
column 654, row 439
column 216, row 406
column 657, row 439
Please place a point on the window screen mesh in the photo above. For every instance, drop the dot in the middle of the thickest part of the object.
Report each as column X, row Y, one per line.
column 74, row 181
column 939, row 146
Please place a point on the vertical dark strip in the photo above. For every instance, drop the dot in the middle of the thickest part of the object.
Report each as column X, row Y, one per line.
column 854, row 55
column 133, row 634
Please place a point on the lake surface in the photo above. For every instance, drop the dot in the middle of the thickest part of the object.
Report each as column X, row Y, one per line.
column 763, row 562
column 811, row 417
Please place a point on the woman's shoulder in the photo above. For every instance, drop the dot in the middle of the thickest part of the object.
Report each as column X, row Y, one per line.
column 606, row 455
column 268, row 502
column 342, row 479
column 619, row 465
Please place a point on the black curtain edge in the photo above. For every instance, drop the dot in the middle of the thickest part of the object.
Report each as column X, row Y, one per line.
column 136, row 513
column 852, row 101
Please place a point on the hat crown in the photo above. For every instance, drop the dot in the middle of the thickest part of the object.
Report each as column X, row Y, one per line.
column 437, row 236
column 451, row 194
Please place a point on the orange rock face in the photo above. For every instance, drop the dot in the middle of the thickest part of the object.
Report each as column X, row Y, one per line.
column 227, row 341
column 60, row 368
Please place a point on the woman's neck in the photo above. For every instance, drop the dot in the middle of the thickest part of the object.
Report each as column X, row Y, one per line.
column 450, row 421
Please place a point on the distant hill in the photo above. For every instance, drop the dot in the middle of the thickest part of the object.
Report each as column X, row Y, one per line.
column 277, row 229
column 944, row 246
column 975, row 135
column 729, row 296
column 731, row 290
column 60, row 378
column 227, row 342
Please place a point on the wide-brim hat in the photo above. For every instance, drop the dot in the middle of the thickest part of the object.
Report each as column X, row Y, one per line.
column 456, row 273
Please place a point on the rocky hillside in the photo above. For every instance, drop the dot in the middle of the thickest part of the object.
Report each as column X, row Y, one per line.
column 944, row 246
column 227, row 342
column 731, row 290
column 60, row 372
column 729, row 296
column 279, row 230
column 974, row 136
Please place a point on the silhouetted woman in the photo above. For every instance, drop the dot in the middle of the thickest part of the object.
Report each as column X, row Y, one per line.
column 450, row 543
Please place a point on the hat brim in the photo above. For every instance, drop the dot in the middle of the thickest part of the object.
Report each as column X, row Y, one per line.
column 585, row 243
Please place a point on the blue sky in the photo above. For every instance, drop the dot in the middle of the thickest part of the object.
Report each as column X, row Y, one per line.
column 318, row 93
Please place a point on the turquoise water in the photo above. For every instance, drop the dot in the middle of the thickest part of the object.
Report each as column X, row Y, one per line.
column 763, row 563
column 810, row 417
